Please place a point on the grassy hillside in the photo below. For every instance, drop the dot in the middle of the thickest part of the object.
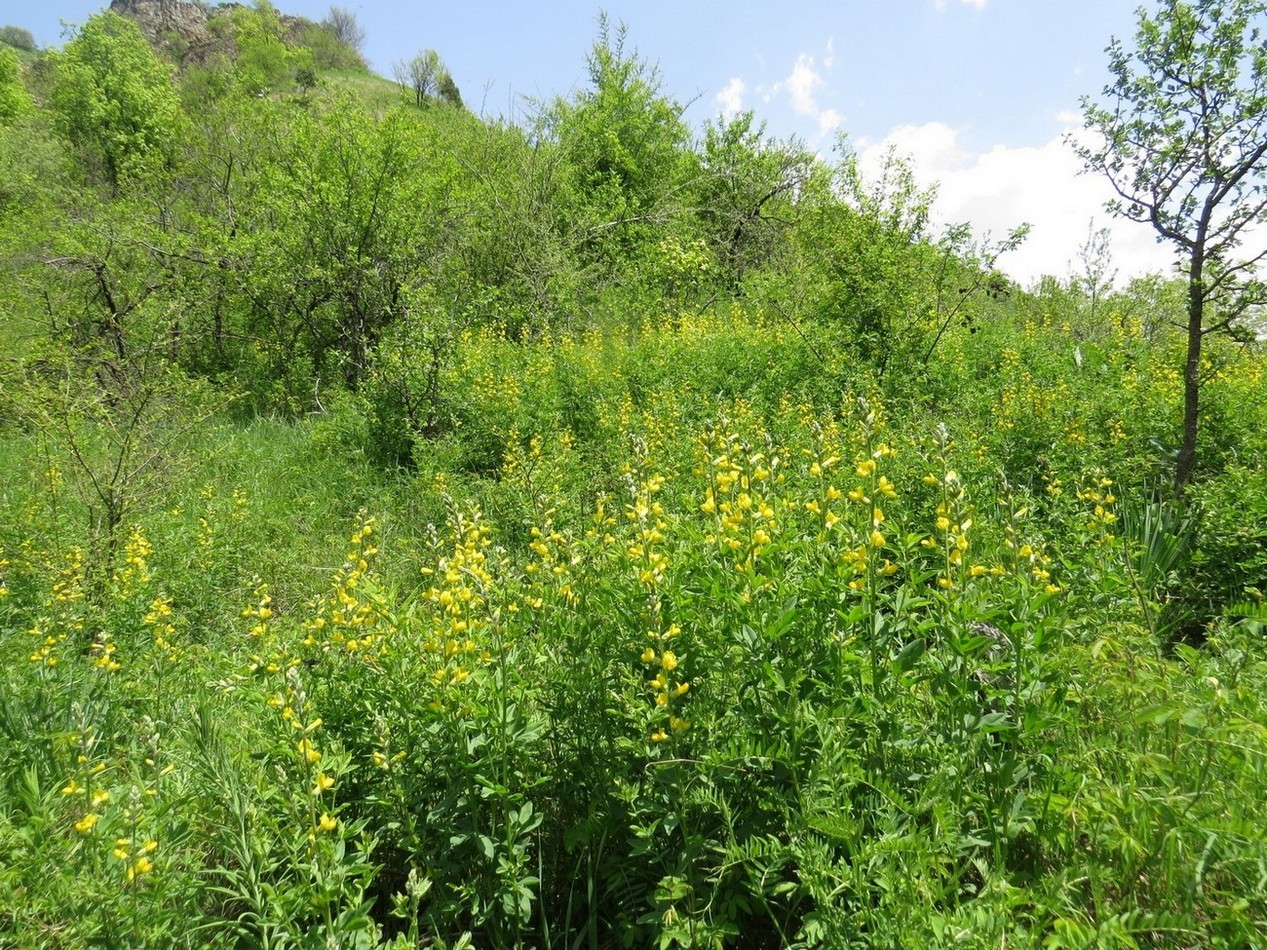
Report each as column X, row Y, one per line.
column 424, row 532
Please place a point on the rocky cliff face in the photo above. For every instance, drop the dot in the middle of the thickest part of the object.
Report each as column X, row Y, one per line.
column 161, row 20
column 182, row 28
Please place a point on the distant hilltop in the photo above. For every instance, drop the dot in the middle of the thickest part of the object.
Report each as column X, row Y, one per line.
column 183, row 27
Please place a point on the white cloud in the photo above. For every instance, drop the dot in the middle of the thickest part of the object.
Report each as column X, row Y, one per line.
column 829, row 120
column 978, row 4
column 731, row 98
column 801, row 84
column 997, row 190
column 829, row 58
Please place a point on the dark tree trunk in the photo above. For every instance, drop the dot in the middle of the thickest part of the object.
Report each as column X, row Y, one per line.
column 1191, row 375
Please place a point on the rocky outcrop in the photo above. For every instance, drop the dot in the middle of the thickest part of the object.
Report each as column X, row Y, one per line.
column 161, row 21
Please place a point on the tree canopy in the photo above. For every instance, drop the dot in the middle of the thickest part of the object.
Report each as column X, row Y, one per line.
column 1182, row 138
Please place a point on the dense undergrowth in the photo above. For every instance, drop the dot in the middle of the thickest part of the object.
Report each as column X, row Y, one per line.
column 701, row 656
column 426, row 531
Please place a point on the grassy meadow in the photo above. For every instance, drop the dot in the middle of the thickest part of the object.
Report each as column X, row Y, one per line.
column 420, row 531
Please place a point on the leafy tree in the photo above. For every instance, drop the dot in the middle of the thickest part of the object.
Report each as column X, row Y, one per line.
column 14, row 100
column 114, row 98
column 1183, row 141
column 627, row 155
column 747, row 193
column 17, row 37
column 424, row 76
column 342, row 25
column 263, row 58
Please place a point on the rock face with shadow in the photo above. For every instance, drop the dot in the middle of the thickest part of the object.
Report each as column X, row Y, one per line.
column 161, row 21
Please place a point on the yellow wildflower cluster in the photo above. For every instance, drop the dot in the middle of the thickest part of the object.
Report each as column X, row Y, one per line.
column 69, row 586
column 159, row 619
column 85, row 785
column 65, row 613
column 870, row 493
column 304, row 724
column 135, row 572
column 348, row 617
column 103, row 652
column 668, row 686
column 953, row 522
column 260, row 611
column 460, row 599
column 647, row 517
column 136, row 859
column 1097, row 493
column 740, row 496
column 550, row 566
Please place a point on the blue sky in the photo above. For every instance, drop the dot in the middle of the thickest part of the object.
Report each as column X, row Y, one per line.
column 978, row 92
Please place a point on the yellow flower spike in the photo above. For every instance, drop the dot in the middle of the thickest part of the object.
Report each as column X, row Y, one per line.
column 308, row 751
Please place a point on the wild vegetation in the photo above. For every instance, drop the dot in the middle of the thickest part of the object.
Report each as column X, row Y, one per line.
column 425, row 530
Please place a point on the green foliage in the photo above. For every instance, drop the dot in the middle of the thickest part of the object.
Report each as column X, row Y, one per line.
column 15, row 102
column 18, row 38
column 416, row 530
column 625, row 149
column 115, row 101
column 1181, row 142
column 263, row 59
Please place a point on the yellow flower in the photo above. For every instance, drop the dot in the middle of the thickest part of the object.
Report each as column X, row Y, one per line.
column 308, row 750
column 659, row 735
column 142, row 865
column 668, row 660
column 324, row 782
column 877, row 539
column 328, row 823
column 87, row 823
